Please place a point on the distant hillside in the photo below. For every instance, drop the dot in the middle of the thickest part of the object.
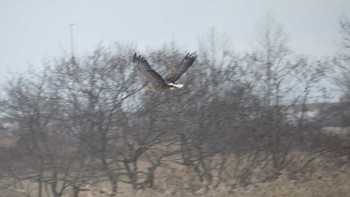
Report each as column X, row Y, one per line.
column 322, row 114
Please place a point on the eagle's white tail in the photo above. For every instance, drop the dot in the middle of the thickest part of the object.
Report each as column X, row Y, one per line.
column 177, row 85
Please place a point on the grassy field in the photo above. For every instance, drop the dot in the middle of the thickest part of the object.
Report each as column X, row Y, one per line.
column 317, row 179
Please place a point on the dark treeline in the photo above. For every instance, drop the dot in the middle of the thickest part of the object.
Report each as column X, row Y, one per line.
column 87, row 120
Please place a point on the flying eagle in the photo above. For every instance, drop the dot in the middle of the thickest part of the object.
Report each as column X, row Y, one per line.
column 168, row 82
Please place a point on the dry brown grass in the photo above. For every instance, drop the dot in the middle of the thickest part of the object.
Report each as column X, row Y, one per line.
column 7, row 143
column 182, row 185
column 322, row 177
column 323, row 181
column 178, row 184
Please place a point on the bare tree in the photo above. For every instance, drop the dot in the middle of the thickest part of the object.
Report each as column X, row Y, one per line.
column 343, row 59
column 96, row 90
column 340, row 74
column 282, row 80
column 34, row 110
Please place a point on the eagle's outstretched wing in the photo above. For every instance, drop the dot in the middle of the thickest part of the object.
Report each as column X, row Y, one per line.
column 152, row 76
column 176, row 72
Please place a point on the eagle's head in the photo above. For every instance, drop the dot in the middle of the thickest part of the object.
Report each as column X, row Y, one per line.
column 174, row 87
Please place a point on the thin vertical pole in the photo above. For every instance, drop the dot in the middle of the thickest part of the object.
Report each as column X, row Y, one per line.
column 71, row 39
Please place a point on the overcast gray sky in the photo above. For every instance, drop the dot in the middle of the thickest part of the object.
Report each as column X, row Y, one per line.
column 31, row 31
